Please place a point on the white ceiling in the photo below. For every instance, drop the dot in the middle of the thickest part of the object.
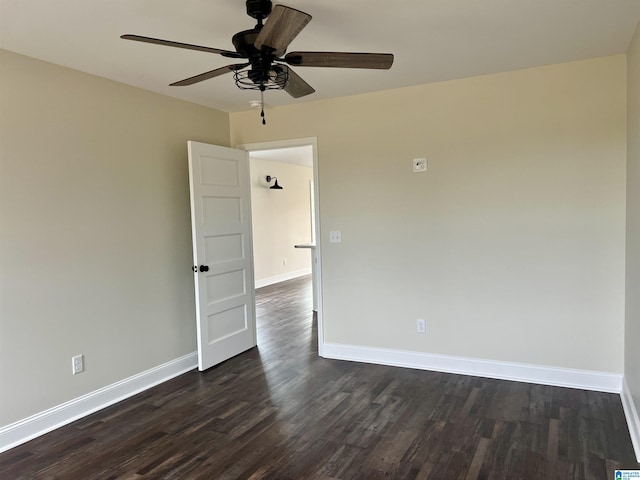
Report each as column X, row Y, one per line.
column 433, row 40
column 296, row 155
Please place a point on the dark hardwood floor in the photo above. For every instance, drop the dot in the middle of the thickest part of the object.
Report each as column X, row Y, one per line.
column 280, row 412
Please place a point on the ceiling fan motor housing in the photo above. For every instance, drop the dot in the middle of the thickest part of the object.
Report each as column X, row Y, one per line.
column 260, row 62
column 259, row 9
column 243, row 41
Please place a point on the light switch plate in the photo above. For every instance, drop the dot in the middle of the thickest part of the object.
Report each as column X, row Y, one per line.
column 335, row 236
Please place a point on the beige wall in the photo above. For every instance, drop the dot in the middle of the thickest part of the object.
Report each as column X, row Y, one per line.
column 95, row 231
column 281, row 219
column 632, row 332
column 511, row 246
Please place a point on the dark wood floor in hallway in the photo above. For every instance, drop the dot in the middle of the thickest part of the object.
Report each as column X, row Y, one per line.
column 281, row 412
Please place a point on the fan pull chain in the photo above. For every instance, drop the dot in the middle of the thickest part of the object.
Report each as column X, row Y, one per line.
column 264, row 122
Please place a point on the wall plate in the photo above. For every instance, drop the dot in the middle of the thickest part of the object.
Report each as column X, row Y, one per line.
column 419, row 165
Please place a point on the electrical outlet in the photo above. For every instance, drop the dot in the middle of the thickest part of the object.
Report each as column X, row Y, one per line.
column 421, row 326
column 77, row 364
column 335, row 236
column 419, row 165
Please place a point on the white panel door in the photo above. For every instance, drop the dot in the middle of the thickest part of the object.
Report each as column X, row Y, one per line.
column 222, row 252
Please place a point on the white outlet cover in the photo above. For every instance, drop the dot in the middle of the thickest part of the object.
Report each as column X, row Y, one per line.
column 335, row 236
column 77, row 364
column 419, row 165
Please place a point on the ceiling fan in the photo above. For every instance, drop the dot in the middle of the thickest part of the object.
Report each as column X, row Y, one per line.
column 266, row 67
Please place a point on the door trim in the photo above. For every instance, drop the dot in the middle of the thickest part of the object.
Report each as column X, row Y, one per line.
column 303, row 142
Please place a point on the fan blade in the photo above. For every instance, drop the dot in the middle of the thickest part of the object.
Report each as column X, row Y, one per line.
column 381, row 61
column 296, row 86
column 207, row 75
column 188, row 46
column 281, row 27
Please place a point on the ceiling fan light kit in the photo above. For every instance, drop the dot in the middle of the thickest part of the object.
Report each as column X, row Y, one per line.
column 266, row 67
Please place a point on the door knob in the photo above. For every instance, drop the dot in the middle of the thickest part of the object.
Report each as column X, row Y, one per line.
column 204, row 268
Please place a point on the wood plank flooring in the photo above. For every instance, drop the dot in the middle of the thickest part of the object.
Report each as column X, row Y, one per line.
column 281, row 412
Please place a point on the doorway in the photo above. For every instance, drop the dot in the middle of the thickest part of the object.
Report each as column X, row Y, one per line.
column 302, row 152
column 281, row 185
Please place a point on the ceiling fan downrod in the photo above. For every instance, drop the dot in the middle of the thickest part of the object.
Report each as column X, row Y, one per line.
column 259, row 9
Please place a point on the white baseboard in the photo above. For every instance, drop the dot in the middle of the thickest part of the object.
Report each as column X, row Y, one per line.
column 633, row 420
column 29, row 428
column 562, row 377
column 263, row 282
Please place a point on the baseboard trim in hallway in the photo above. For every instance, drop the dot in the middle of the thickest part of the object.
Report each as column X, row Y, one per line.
column 36, row 425
column 265, row 282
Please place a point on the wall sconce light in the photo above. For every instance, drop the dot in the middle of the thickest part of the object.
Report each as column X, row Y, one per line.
column 275, row 185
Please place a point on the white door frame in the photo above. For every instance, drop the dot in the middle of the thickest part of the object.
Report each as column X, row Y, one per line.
column 303, row 142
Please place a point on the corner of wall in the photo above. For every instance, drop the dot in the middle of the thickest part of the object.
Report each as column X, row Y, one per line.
column 631, row 414
column 631, row 385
